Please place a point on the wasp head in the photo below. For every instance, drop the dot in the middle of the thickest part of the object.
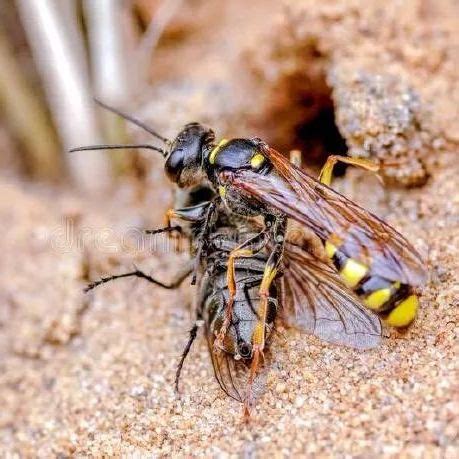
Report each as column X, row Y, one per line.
column 184, row 162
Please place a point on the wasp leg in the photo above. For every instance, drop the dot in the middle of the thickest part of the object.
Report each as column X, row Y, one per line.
column 193, row 214
column 253, row 371
column 295, row 157
column 247, row 287
column 140, row 274
column 193, row 333
column 257, row 242
column 230, row 277
column 326, row 173
column 205, row 213
column 258, row 337
column 170, row 214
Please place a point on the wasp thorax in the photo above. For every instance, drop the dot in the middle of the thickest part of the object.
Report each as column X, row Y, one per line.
column 238, row 154
column 184, row 161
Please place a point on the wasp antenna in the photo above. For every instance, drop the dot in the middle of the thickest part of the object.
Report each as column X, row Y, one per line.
column 133, row 120
column 117, row 147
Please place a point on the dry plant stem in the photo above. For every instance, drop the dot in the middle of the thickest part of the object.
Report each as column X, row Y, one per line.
column 108, row 52
column 66, row 82
column 109, row 58
column 161, row 19
column 27, row 116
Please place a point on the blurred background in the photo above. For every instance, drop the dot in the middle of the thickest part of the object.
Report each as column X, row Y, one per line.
column 57, row 56
column 166, row 61
column 91, row 374
column 229, row 64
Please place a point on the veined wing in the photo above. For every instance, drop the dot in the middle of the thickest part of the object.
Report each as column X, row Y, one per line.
column 315, row 299
column 233, row 375
column 358, row 233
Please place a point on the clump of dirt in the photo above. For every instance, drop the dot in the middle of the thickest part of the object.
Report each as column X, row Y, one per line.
column 338, row 78
column 383, row 118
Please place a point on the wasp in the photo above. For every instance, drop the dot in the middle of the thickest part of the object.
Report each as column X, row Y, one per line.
column 363, row 270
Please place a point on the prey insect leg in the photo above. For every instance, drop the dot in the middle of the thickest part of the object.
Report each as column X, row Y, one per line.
column 202, row 238
column 256, row 243
column 193, row 333
column 166, row 229
column 140, row 274
column 173, row 232
column 326, row 173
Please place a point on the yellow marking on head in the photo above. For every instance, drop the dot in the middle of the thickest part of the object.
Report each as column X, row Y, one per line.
column 404, row 313
column 330, row 249
column 222, row 191
column 214, row 152
column 353, row 272
column 257, row 160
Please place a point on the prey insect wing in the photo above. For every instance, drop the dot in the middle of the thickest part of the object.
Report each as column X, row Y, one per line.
column 232, row 374
column 226, row 371
column 331, row 216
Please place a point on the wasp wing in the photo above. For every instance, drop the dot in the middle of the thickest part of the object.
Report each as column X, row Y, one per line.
column 315, row 300
column 363, row 236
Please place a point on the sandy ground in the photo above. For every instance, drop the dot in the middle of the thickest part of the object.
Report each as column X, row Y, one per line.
column 91, row 375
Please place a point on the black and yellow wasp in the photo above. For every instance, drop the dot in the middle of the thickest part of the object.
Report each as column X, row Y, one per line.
column 339, row 266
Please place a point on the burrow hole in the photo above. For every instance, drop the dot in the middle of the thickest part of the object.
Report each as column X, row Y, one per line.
column 300, row 114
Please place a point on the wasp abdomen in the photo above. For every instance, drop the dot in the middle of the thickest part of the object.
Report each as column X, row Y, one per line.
column 395, row 301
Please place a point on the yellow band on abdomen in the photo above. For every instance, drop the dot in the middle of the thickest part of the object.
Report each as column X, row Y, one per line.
column 404, row 313
column 353, row 272
column 378, row 298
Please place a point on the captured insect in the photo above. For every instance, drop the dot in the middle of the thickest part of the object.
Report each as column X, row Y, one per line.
column 339, row 267
column 232, row 364
column 232, row 360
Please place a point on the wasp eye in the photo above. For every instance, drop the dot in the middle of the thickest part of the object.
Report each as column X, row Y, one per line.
column 257, row 161
column 174, row 164
column 245, row 350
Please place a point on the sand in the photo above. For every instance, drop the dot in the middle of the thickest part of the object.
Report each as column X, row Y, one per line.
column 92, row 375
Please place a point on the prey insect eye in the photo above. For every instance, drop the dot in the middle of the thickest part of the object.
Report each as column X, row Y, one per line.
column 245, row 350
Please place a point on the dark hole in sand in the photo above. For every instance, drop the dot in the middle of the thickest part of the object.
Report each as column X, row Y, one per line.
column 321, row 137
column 300, row 114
